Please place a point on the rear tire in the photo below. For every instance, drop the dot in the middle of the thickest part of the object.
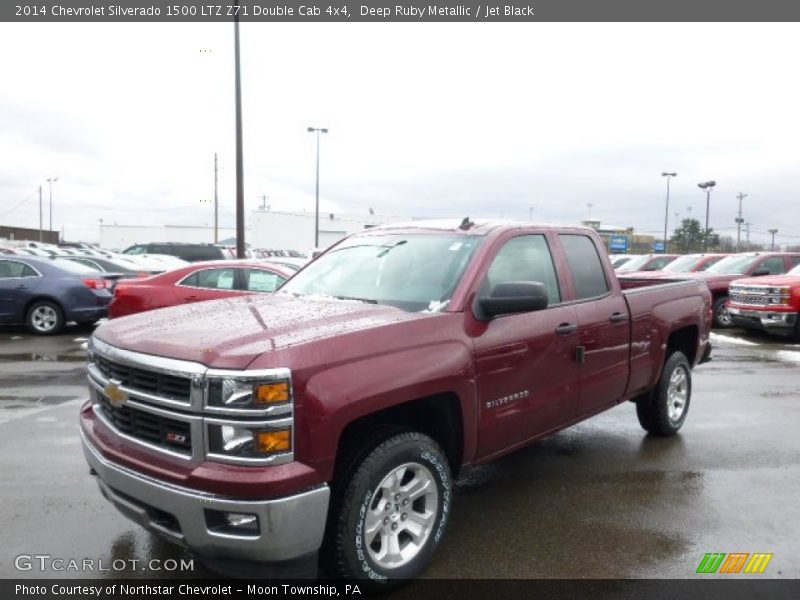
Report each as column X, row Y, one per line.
column 722, row 317
column 663, row 411
column 390, row 516
column 45, row 318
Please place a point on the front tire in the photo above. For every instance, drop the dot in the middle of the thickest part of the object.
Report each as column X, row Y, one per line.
column 663, row 411
column 722, row 318
column 45, row 318
column 392, row 514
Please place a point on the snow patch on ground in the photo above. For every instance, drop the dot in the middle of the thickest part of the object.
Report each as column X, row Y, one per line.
column 788, row 356
column 725, row 339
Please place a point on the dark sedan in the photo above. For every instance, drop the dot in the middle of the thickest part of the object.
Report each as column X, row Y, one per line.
column 46, row 293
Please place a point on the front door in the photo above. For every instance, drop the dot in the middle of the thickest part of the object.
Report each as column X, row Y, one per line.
column 527, row 376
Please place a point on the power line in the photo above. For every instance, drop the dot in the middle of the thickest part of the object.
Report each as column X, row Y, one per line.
column 18, row 205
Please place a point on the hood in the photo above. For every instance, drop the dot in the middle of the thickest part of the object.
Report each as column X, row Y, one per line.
column 776, row 280
column 231, row 332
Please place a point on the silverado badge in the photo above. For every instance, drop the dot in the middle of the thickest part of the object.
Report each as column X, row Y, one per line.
column 114, row 394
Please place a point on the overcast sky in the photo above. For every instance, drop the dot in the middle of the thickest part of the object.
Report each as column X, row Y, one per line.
column 426, row 119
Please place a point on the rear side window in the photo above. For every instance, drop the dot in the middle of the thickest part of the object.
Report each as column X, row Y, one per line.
column 218, row 279
column 525, row 258
column 588, row 274
column 259, row 280
column 160, row 249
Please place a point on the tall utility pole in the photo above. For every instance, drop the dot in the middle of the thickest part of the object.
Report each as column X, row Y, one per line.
column 239, row 154
column 216, row 202
column 666, row 209
column 739, row 220
column 317, row 131
column 772, row 232
column 747, row 232
column 40, row 214
column 51, row 181
column 707, row 186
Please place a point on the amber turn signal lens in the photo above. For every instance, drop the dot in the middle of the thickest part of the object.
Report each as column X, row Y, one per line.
column 272, row 393
column 274, row 441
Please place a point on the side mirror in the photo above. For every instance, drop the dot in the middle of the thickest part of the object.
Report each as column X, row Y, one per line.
column 761, row 272
column 512, row 297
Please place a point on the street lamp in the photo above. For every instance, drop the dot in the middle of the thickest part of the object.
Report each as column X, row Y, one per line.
column 589, row 205
column 666, row 210
column 772, row 232
column 51, row 181
column 739, row 220
column 317, row 131
column 707, row 186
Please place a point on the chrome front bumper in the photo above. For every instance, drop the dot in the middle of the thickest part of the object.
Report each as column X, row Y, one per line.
column 289, row 527
column 763, row 319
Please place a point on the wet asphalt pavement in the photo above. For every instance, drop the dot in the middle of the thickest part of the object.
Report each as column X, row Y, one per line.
column 599, row 500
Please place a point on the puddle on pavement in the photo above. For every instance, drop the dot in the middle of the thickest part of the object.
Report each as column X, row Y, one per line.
column 42, row 357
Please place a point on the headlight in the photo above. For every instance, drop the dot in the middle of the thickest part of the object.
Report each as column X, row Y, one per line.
column 254, row 393
column 236, row 441
column 779, row 295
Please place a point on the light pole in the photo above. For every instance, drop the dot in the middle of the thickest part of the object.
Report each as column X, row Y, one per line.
column 772, row 232
column 739, row 220
column 666, row 210
column 707, row 186
column 589, row 205
column 51, row 181
column 317, row 131
column 240, row 246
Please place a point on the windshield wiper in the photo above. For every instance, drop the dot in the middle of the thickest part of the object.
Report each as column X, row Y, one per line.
column 367, row 300
column 383, row 253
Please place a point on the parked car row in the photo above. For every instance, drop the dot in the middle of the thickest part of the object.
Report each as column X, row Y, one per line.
column 718, row 271
column 45, row 293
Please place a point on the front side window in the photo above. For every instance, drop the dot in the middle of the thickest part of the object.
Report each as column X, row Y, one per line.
column 737, row 264
column 217, row 279
column 774, row 265
column 12, row 269
column 588, row 275
column 136, row 250
column 414, row 272
column 259, row 280
column 524, row 258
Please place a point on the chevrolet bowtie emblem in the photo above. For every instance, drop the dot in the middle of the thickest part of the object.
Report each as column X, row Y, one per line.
column 114, row 394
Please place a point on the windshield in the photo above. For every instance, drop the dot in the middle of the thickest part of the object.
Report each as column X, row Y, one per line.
column 619, row 260
column 636, row 263
column 412, row 272
column 72, row 266
column 795, row 271
column 733, row 265
column 685, row 264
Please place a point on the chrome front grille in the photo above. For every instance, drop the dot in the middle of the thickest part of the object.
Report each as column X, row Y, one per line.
column 149, row 382
column 757, row 295
column 150, row 428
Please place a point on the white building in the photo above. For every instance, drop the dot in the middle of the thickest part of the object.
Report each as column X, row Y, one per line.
column 295, row 230
column 274, row 230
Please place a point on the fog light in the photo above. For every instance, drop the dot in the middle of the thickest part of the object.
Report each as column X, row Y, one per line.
column 242, row 521
column 232, row 523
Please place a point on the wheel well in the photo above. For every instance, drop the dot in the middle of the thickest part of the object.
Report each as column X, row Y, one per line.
column 436, row 416
column 684, row 340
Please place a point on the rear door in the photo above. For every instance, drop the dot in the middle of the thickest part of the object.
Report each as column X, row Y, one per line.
column 603, row 325
column 526, row 369
column 207, row 284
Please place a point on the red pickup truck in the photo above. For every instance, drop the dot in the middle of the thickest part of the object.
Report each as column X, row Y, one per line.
column 767, row 303
column 329, row 420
